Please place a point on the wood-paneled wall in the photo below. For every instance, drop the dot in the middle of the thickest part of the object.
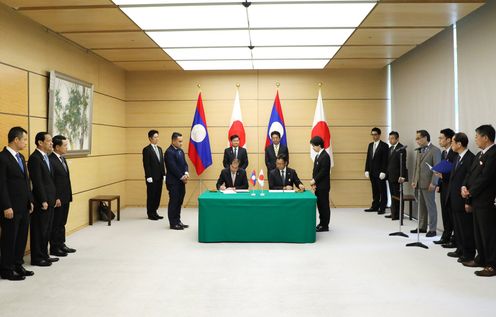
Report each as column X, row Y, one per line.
column 354, row 101
column 27, row 53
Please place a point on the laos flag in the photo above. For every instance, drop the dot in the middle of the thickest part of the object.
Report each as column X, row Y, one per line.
column 199, row 151
column 276, row 123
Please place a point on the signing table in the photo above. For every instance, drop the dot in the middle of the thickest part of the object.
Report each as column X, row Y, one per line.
column 240, row 217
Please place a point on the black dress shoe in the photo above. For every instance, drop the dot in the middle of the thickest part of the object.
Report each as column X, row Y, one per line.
column 440, row 241
column 58, row 252
column 431, row 234
column 395, row 218
column 388, row 216
column 370, row 210
column 41, row 263
column 183, row 225
column 472, row 263
column 50, row 259
column 66, row 249
column 151, row 217
column 381, row 212
column 23, row 272
column 12, row 276
column 320, row 228
column 464, row 259
column 454, row 254
column 158, row 216
column 177, row 227
column 449, row 245
column 421, row 231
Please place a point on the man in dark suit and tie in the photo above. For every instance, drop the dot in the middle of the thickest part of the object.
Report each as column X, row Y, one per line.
column 44, row 193
column 375, row 170
column 16, row 205
column 63, row 196
column 321, row 182
column 274, row 150
column 462, row 221
column 177, row 177
column 232, row 177
column 235, row 152
column 397, row 172
column 153, row 163
column 480, row 191
column 447, row 239
column 283, row 177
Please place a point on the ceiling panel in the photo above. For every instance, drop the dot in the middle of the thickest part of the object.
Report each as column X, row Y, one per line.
column 392, row 36
column 359, row 63
column 418, row 14
column 141, row 54
column 80, row 20
column 54, row 3
column 111, row 39
column 148, row 65
column 379, row 51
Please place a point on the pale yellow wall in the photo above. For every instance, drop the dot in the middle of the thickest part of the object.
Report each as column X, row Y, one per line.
column 27, row 53
column 355, row 101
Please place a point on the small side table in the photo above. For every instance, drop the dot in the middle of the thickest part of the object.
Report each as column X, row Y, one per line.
column 108, row 199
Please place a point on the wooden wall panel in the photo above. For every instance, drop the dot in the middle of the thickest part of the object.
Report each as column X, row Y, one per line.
column 8, row 121
column 108, row 110
column 38, row 95
column 13, row 90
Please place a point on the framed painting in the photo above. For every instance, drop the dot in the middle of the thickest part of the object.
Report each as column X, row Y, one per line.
column 70, row 108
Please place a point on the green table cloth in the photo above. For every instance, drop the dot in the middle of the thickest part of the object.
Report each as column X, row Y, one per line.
column 240, row 217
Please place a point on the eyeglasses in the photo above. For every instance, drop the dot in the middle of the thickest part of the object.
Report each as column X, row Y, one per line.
column 374, row 134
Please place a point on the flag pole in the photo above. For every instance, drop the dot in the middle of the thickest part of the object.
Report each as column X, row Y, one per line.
column 201, row 177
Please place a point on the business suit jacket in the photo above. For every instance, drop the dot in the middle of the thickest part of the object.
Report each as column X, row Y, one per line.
column 176, row 165
column 422, row 175
column 154, row 166
column 240, row 182
column 457, row 177
column 62, row 179
column 42, row 178
column 291, row 179
column 480, row 180
column 270, row 155
column 321, row 173
column 15, row 188
column 376, row 164
column 393, row 167
column 229, row 157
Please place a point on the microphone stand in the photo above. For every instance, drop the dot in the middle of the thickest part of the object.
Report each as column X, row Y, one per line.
column 418, row 243
column 400, row 233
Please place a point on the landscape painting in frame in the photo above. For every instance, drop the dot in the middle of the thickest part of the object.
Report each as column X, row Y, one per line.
column 70, row 108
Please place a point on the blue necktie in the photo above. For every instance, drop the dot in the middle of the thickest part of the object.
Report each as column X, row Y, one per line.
column 19, row 161
column 45, row 157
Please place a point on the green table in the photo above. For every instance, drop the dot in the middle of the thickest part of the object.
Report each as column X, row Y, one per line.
column 240, row 217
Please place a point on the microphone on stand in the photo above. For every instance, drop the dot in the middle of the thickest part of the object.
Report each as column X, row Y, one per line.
column 401, row 148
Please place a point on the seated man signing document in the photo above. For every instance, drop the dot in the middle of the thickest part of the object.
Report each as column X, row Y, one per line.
column 283, row 177
column 232, row 177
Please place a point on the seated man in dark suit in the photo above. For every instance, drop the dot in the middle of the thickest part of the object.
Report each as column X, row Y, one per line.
column 283, row 177
column 232, row 177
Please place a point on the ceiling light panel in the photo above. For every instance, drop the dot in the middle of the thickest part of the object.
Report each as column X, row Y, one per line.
column 188, row 17
column 319, row 52
column 230, row 53
column 179, row 39
column 290, row 64
column 308, row 15
column 298, row 37
column 216, row 65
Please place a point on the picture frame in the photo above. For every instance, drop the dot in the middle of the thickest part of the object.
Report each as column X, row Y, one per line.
column 70, row 112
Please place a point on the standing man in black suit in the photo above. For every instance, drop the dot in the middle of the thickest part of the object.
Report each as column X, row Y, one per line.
column 447, row 239
column 232, row 177
column 375, row 170
column 153, row 163
column 235, row 152
column 480, row 191
column 283, row 177
column 16, row 205
column 321, row 182
column 177, row 177
column 397, row 172
column 463, row 221
column 274, row 150
column 44, row 193
column 63, row 196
